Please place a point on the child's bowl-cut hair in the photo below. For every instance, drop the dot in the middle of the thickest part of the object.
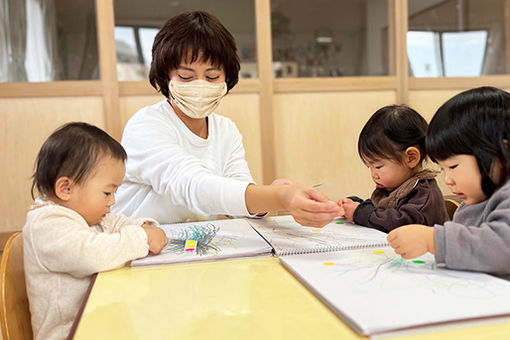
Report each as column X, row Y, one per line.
column 73, row 150
column 390, row 131
column 475, row 122
column 189, row 36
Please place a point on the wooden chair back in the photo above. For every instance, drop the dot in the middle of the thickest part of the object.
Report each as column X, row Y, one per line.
column 451, row 206
column 14, row 309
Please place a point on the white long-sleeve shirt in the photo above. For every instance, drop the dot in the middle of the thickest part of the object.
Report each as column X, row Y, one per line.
column 172, row 175
column 61, row 253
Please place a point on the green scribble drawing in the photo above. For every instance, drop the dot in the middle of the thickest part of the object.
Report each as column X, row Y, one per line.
column 205, row 235
column 389, row 272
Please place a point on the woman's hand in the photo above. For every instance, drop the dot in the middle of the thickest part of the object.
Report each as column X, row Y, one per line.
column 282, row 181
column 309, row 206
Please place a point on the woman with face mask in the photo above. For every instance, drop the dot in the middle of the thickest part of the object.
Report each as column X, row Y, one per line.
column 187, row 163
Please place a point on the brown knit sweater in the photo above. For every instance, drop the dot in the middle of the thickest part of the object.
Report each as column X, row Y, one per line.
column 416, row 201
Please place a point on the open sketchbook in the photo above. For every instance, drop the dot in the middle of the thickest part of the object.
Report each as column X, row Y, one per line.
column 207, row 241
column 377, row 291
column 288, row 237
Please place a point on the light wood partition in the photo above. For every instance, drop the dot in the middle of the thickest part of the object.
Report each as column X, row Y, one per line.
column 25, row 124
column 244, row 110
column 426, row 102
column 316, row 138
column 265, row 65
column 507, row 33
column 400, row 48
column 108, row 66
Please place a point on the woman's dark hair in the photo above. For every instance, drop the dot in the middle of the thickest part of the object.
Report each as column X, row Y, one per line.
column 390, row 131
column 73, row 150
column 192, row 35
column 475, row 122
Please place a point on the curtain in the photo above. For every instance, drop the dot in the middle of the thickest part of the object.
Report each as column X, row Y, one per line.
column 27, row 40
column 4, row 56
column 40, row 35
column 12, row 40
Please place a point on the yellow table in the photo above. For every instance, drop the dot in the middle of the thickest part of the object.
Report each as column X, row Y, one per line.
column 254, row 298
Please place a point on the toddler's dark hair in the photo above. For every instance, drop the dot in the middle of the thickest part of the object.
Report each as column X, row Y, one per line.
column 390, row 131
column 475, row 122
column 200, row 33
column 73, row 150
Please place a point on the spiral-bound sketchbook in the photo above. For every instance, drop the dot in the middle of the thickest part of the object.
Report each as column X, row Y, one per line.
column 287, row 237
column 208, row 241
column 377, row 291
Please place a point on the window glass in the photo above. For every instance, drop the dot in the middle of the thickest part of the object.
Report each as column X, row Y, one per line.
column 146, row 39
column 329, row 38
column 137, row 23
column 129, row 65
column 48, row 40
column 457, row 38
column 424, row 54
column 464, row 53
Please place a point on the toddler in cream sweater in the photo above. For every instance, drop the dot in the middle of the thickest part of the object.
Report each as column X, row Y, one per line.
column 70, row 234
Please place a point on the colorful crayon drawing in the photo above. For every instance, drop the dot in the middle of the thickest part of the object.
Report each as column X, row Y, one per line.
column 376, row 290
column 386, row 271
column 205, row 236
column 207, row 241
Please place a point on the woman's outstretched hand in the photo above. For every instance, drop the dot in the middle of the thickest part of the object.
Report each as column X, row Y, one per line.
column 308, row 206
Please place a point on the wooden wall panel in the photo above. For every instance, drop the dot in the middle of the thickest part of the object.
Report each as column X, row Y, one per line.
column 25, row 124
column 129, row 105
column 316, row 138
column 242, row 108
column 426, row 102
column 265, row 70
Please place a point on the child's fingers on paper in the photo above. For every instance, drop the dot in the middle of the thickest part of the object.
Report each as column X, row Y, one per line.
column 392, row 236
column 398, row 247
column 163, row 240
column 407, row 252
column 409, row 255
column 159, row 247
column 395, row 245
column 400, row 251
column 351, row 204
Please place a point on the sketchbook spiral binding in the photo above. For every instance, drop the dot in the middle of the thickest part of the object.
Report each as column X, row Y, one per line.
column 287, row 237
column 325, row 249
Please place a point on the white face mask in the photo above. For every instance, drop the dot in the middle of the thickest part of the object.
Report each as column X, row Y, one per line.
column 197, row 98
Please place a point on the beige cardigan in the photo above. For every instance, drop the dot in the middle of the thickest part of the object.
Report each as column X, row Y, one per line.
column 61, row 252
